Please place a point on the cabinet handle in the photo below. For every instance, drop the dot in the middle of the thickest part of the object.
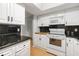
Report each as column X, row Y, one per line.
column 69, row 40
column 77, row 43
column 11, row 19
column 66, row 22
column 8, row 18
column 67, row 44
column 19, row 50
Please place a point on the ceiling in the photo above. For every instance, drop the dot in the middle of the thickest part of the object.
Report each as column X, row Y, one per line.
column 43, row 8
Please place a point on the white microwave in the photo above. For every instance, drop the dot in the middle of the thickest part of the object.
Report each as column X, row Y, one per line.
column 56, row 20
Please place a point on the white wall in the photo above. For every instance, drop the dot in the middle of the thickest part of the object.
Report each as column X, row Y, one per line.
column 35, row 24
column 27, row 28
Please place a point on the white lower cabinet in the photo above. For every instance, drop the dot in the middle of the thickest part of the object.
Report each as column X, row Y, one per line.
column 9, row 51
column 40, row 40
column 69, row 47
column 44, row 41
column 20, row 49
column 72, row 48
column 19, row 15
column 76, row 47
column 35, row 40
column 23, row 49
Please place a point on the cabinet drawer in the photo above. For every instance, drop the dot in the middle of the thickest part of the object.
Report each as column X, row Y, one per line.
column 22, row 45
column 7, row 52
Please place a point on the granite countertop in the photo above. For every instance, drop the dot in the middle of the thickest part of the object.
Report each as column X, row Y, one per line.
column 23, row 38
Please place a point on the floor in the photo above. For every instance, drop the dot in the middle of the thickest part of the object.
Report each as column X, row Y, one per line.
column 39, row 52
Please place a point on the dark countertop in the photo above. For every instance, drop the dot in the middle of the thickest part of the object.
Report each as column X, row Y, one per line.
column 23, row 38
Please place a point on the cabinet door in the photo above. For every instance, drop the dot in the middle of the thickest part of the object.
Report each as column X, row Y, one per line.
column 23, row 49
column 68, row 19
column 12, row 9
column 23, row 52
column 72, row 18
column 0, row 12
column 19, row 14
column 7, row 52
column 70, row 47
column 35, row 39
column 43, row 22
column 3, row 12
column 44, row 41
column 76, row 47
column 40, row 22
column 46, row 22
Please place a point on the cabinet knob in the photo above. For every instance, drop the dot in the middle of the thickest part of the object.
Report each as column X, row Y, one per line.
column 11, row 19
column 39, row 38
column 2, row 55
column 67, row 44
column 66, row 22
column 24, row 45
column 42, row 24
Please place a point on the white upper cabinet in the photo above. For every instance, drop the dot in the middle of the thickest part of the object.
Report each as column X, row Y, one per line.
column 72, row 18
column 56, row 20
column 43, row 21
column 11, row 13
column 19, row 14
column 51, row 20
column 0, row 12
column 3, row 12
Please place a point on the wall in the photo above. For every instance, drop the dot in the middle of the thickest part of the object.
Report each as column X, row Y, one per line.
column 27, row 28
column 35, row 24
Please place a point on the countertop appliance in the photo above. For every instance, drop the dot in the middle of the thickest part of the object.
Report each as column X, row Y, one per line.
column 9, row 34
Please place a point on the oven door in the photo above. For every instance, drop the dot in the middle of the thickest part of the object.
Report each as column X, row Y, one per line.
column 57, row 44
